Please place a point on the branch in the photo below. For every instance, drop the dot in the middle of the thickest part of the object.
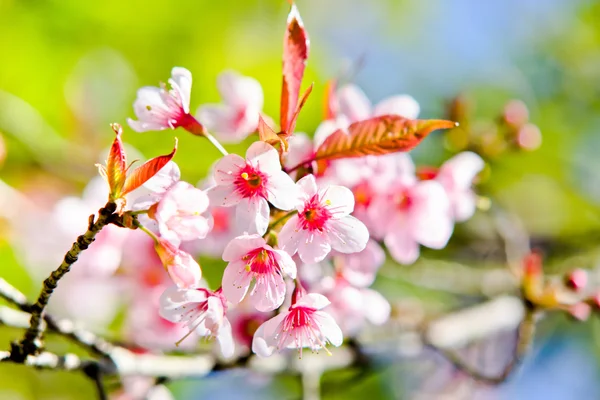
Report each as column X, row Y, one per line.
column 31, row 342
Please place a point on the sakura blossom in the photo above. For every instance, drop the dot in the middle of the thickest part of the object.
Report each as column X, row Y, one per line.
column 323, row 223
column 180, row 213
column 249, row 183
column 158, row 108
column 250, row 259
column 410, row 213
column 456, row 176
column 360, row 269
column 202, row 311
column 238, row 116
column 181, row 266
column 304, row 324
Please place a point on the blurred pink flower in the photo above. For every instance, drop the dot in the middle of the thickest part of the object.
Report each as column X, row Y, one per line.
column 410, row 213
column 179, row 213
column 245, row 321
column 323, row 222
column 158, row 108
column 456, row 175
column 202, row 311
column 237, row 117
column 352, row 307
column 249, row 183
column 361, row 268
column 303, row 325
column 181, row 266
column 250, row 259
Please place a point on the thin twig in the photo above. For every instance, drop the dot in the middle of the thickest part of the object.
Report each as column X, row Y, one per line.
column 31, row 342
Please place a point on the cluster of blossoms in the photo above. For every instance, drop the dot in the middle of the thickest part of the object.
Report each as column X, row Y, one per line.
column 302, row 232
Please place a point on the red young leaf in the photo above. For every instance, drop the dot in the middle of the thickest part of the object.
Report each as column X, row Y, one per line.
column 116, row 163
column 266, row 133
column 292, row 126
column 377, row 136
column 295, row 53
column 329, row 100
column 147, row 170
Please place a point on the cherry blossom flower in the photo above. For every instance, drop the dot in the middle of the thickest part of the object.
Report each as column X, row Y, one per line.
column 222, row 222
column 303, row 325
column 158, row 108
column 179, row 213
column 245, row 321
column 351, row 307
column 323, row 222
column 410, row 213
column 237, row 117
column 202, row 312
column 249, row 183
column 181, row 266
column 252, row 259
column 361, row 268
column 456, row 175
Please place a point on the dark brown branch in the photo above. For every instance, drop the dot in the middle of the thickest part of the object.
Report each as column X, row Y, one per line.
column 31, row 343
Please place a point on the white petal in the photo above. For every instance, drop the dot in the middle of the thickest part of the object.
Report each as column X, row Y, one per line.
column 308, row 185
column 264, row 156
column 329, row 328
column 223, row 196
column 314, row 248
column 403, row 105
column 464, row 205
column 225, row 339
column 181, row 81
column 289, row 236
column 377, row 308
column 242, row 245
column 227, row 169
column 235, row 282
column 282, row 192
column 431, row 221
column 286, row 263
column 326, row 128
column 166, row 177
column 217, row 118
column 263, row 343
column 252, row 215
column 338, row 199
column 402, row 246
column 313, row 300
column 353, row 103
column 462, row 168
column 348, row 235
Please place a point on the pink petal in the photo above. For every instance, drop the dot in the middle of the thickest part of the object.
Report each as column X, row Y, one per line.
column 326, row 128
column 268, row 295
column 300, row 149
column 181, row 81
column 242, row 245
column 227, row 169
column 360, row 269
column 173, row 300
column 353, row 103
column 403, row 105
column 225, row 339
column 223, row 196
column 402, row 246
column 376, row 306
column 464, row 205
column 236, row 281
column 314, row 248
column 264, row 343
column 348, row 235
column 313, row 300
column 431, row 222
column 289, row 236
column 462, row 169
column 286, row 263
column 252, row 215
column 338, row 199
column 282, row 191
column 166, row 177
column 219, row 119
column 264, row 156
column 329, row 328
column 308, row 185
column 240, row 91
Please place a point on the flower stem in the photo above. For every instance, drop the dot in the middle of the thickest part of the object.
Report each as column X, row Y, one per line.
column 146, row 230
column 31, row 343
column 193, row 126
column 281, row 219
column 215, row 143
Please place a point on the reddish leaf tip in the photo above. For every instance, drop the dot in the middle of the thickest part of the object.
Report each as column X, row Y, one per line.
column 117, row 128
column 294, row 14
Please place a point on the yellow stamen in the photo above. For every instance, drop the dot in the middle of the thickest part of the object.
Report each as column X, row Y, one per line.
column 248, row 268
column 327, row 202
column 245, row 175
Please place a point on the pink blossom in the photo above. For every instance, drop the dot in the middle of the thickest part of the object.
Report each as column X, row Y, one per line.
column 323, row 222
column 252, row 259
column 352, row 307
column 410, row 213
column 237, row 117
column 181, row 266
column 222, row 221
column 245, row 321
column 456, row 175
column 158, row 108
column 202, row 311
column 303, row 325
column 179, row 213
column 361, row 268
column 249, row 183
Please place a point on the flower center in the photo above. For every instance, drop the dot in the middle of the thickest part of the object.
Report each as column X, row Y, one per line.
column 260, row 261
column 403, row 200
column 251, row 182
column 426, row 173
column 363, row 194
column 315, row 215
column 220, row 220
